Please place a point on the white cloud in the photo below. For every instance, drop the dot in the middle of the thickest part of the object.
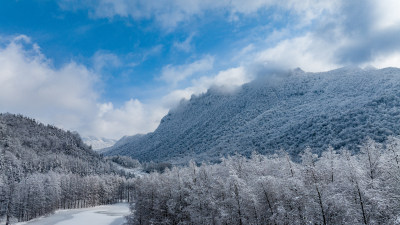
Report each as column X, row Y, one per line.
column 338, row 33
column 151, row 52
column 30, row 85
column 307, row 52
column 339, row 28
column 170, row 13
column 103, row 60
column 386, row 13
column 186, row 45
column 383, row 61
column 343, row 33
column 132, row 118
column 174, row 74
column 67, row 97
column 226, row 81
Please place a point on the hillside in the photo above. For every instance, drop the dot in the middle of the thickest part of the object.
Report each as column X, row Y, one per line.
column 290, row 111
column 41, row 148
column 43, row 168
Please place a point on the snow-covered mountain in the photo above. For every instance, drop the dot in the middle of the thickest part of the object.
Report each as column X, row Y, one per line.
column 38, row 147
column 98, row 143
column 290, row 110
column 43, row 168
column 124, row 140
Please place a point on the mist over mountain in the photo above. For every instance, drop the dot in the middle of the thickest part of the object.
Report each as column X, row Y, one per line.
column 98, row 143
column 291, row 110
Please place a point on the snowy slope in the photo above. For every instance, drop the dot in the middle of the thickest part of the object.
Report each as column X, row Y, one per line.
column 291, row 111
column 99, row 215
column 124, row 140
column 43, row 168
column 98, row 143
column 20, row 135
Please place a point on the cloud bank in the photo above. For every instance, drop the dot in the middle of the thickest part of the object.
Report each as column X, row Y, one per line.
column 320, row 34
column 70, row 97
column 171, row 13
column 31, row 86
column 67, row 97
column 315, row 35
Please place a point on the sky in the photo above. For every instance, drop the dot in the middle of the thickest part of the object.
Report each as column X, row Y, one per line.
column 110, row 68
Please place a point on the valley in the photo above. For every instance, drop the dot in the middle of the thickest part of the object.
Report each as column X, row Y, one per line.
column 99, row 215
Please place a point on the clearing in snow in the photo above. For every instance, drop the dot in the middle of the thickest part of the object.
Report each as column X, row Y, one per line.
column 99, row 215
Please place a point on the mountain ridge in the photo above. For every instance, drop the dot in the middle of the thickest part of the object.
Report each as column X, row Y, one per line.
column 292, row 110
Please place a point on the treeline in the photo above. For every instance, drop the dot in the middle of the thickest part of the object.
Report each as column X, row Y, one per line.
column 334, row 188
column 43, row 168
column 124, row 161
column 40, row 194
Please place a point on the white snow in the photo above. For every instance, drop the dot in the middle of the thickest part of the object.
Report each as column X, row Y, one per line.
column 289, row 111
column 98, row 143
column 99, row 215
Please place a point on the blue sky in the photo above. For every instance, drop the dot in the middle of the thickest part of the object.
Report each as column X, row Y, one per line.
column 141, row 47
column 113, row 68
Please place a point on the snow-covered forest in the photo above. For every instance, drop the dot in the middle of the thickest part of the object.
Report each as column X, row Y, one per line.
column 335, row 188
column 338, row 108
column 43, row 168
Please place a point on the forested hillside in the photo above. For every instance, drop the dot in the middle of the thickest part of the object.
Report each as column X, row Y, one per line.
column 335, row 188
column 43, row 168
column 339, row 108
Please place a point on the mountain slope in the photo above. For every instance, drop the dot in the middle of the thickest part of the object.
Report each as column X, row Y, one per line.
column 42, row 148
column 98, row 143
column 124, row 140
column 43, row 168
column 290, row 111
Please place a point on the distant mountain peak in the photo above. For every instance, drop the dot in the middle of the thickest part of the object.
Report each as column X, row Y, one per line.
column 98, row 143
column 298, row 70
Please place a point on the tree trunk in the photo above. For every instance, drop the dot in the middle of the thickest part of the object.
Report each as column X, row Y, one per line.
column 320, row 204
column 238, row 202
column 267, row 198
column 362, row 205
column 8, row 216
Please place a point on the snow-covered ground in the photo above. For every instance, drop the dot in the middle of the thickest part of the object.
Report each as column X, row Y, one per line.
column 99, row 215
